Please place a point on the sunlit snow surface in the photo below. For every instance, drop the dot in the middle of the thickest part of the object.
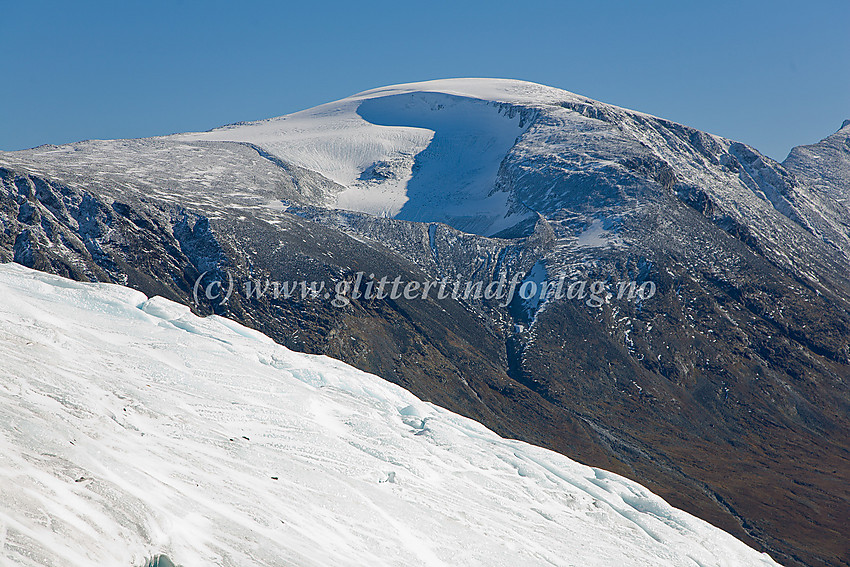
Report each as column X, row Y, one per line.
column 131, row 427
column 422, row 151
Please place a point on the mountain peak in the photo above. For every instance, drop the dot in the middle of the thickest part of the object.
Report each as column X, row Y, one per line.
column 495, row 90
column 430, row 151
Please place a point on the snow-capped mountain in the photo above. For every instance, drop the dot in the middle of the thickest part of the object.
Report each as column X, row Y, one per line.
column 133, row 428
column 733, row 375
column 421, row 152
column 483, row 155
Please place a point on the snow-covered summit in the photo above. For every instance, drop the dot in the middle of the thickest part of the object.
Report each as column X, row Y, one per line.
column 130, row 427
column 486, row 156
column 427, row 151
column 511, row 91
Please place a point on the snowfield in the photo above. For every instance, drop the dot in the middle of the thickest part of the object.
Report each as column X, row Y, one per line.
column 130, row 427
column 422, row 151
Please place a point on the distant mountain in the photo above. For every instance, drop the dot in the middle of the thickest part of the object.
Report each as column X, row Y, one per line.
column 726, row 392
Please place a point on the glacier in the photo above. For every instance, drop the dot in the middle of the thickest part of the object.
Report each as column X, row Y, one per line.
column 131, row 428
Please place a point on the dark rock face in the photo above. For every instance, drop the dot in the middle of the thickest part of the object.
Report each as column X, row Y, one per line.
column 726, row 392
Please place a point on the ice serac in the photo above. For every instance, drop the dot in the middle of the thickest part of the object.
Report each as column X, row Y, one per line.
column 131, row 429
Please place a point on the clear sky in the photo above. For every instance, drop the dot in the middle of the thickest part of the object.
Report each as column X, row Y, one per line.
column 772, row 74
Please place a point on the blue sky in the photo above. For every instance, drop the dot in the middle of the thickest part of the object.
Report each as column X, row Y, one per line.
column 773, row 74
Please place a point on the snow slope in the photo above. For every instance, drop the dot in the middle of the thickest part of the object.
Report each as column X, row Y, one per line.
column 130, row 427
column 421, row 151
column 825, row 165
